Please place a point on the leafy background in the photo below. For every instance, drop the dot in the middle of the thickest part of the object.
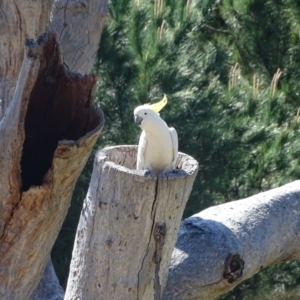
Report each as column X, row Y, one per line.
column 230, row 71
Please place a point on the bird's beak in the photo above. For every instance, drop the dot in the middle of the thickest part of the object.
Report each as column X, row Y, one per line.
column 138, row 120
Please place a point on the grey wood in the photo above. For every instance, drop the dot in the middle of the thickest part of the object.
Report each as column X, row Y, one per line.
column 128, row 227
column 223, row 245
column 79, row 26
column 48, row 288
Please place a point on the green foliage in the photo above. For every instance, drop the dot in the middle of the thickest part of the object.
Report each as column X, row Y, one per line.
column 238, row 121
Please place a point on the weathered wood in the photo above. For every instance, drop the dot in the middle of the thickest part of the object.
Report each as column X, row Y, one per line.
column 79, row 26
column 223, row 245
column 82, row 23
column 19, row 20
column 46, row 136
column 48, row 288
column 128, row 228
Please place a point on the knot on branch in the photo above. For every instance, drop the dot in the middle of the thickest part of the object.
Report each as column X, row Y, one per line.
column 234, row 266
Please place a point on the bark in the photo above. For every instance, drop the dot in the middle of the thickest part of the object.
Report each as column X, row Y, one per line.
column 19, row 20
column 46, row 134
column 48, row 288
column 223, row 245
column 43, row 96
column 128, row 228
column 79, row 26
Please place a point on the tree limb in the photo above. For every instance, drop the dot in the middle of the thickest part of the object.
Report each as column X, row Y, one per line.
column 223, row 245
column 215, row 29
column 79, row 26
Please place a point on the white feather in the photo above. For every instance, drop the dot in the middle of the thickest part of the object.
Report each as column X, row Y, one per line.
column 158, row 144
column 174, row 137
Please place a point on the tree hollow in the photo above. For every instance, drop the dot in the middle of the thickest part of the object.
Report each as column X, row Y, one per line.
column 49, row 129
column 60, row 108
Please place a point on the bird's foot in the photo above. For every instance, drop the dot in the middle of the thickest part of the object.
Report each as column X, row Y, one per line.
column 149, row 173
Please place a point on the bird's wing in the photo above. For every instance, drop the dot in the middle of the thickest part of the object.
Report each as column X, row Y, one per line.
column 174, row 137
column 141, row 152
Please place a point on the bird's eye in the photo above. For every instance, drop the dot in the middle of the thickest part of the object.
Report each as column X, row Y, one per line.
column 145, row 113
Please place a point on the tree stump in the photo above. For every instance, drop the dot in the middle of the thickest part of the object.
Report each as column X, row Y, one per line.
column 128, row 227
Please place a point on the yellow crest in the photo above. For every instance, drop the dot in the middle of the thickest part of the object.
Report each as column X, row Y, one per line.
column 157, row 107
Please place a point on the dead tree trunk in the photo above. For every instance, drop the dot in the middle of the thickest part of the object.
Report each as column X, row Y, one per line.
column 19, row 20
column 48, row 126
column 55, row 108
column 128, row 228
column 79, row 26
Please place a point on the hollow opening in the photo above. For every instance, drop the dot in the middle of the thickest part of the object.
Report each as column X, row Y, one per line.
column 60, row 108
column 123, row 155
column 126, row 156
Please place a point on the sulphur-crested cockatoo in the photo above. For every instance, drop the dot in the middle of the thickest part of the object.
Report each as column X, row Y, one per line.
column 158, row 144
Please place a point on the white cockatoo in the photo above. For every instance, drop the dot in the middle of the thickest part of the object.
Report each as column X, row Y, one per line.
column 158, row 144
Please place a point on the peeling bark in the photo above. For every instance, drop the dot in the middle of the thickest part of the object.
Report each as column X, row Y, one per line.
column 128, row 228
column 53, row 118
